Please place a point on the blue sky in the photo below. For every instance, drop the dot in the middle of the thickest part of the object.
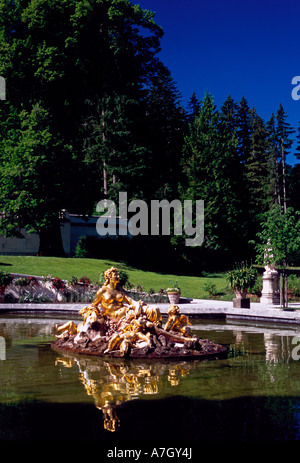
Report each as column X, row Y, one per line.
column 233, row 47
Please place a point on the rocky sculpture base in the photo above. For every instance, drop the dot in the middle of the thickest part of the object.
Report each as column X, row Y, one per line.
column 162, row 348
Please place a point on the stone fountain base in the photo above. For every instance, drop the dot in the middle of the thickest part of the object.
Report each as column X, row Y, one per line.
column 162, row 348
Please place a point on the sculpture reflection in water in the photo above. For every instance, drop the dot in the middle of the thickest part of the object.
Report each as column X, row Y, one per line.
column 117, row 326
column 115, row 382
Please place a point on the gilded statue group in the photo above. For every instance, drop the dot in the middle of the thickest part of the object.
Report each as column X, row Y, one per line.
column 126, row 323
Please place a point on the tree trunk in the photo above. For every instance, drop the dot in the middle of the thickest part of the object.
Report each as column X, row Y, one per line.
column 51, row 240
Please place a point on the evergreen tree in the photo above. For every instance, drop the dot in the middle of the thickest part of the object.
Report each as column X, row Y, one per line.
column 273, row 156
column 166, row 127
column 293, row 187
column 115, row 146
column 244, row 130
column 229, row 115
column 193, row 108
column 257, row 169
column 297, row 153
column 283, row 132
column 210, row 163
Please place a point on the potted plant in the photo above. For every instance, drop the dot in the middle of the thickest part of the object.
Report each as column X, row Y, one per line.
column 242, row 279
column 174, row 293
column 5, row 280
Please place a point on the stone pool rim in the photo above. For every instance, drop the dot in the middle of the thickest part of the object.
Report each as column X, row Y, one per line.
column 195, row 308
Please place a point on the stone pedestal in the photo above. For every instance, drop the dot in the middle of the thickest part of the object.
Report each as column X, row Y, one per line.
column 270, row 290
column 241, row 303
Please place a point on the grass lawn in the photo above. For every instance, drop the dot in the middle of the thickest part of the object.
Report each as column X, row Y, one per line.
column 192, row 287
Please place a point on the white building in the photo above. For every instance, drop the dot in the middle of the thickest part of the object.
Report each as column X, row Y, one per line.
column 72, row 228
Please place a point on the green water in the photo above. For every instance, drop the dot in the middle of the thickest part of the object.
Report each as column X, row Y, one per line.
column 251, row 395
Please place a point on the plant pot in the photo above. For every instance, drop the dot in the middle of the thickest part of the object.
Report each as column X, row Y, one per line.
column 174, row 297
column 241, row 303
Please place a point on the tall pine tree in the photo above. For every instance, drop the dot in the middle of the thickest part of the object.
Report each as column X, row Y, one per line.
column 257, row 169
column 210, row 163
column 283, row 132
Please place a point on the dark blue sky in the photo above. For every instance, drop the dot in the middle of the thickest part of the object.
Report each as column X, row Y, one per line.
column 233, row 47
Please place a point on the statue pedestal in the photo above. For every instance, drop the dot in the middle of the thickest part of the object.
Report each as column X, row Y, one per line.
column 270, row 290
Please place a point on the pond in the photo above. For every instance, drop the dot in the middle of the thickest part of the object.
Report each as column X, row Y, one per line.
column 251, row 395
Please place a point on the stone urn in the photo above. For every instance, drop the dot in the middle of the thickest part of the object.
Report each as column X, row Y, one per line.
column 174, row 296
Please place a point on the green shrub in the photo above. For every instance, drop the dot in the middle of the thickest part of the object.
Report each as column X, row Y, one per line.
column 211, row 289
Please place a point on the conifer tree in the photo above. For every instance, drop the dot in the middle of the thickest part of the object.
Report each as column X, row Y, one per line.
column 297, row 150
column 283, row 132
column 244, row 130
column 193, row 107
column 166, row 126
column 229, row 115
column 257, row 168
column 273, row 156
column 210, row 163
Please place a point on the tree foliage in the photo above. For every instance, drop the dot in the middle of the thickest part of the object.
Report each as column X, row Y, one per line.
column 80, row 77
column 279, row 237
column 92, row 111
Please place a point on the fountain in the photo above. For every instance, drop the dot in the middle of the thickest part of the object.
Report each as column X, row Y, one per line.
column 115, row 325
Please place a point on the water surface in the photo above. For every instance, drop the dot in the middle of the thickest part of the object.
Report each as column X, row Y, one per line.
column 252, row 395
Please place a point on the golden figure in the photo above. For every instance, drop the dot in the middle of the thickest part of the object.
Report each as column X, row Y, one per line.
column 89, row 314
column 130, row 335
column 112, row 297
column 177, row 322
column 153, row 315
column 67, row 328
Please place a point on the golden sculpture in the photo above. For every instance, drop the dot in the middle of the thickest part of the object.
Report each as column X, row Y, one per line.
column 112, row 297
column 90, row 314
column 67, row 328
column 117, row 326
column 132, row 319
column 130, row 335
column 177, row 322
